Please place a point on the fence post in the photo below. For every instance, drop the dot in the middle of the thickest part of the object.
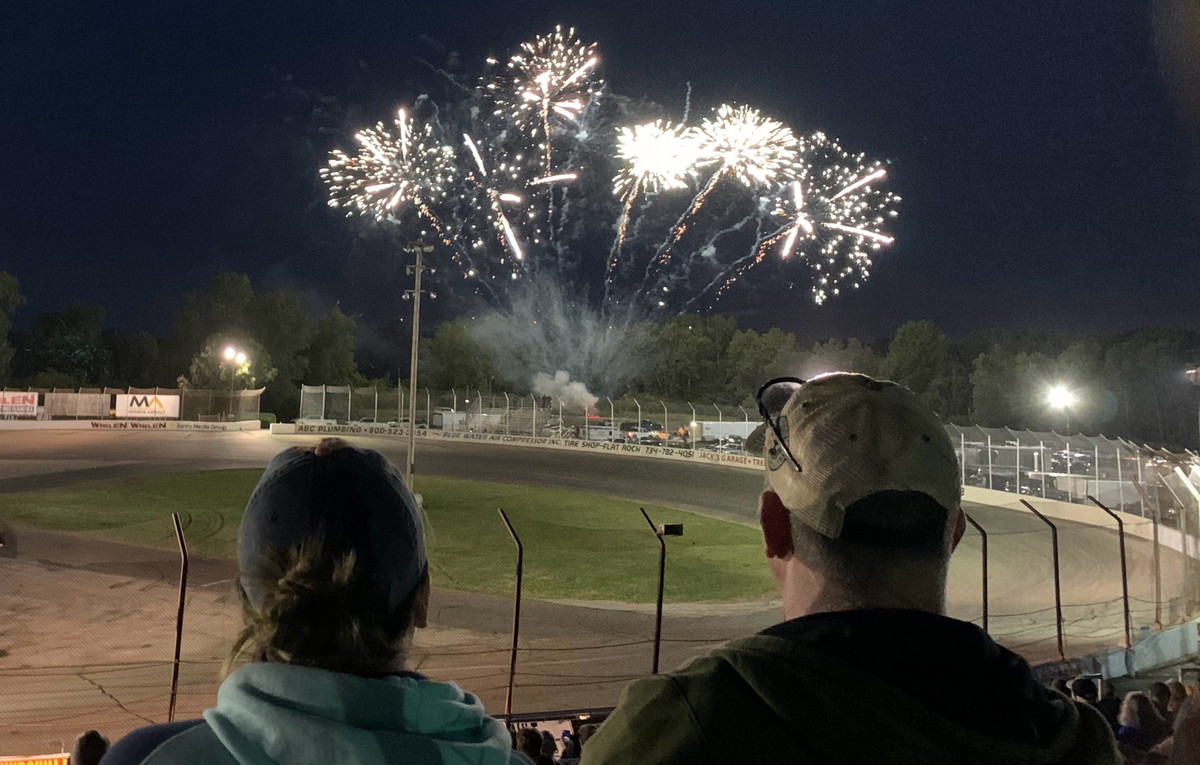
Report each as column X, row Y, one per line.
column 658, row 603
column 989, row 448
column 1058, row 614
column 533, row 431
column 1124, row 568
column 506, row 414
column 516, row 628
column 1137, row 484
column 984, row 560
column 183, row 577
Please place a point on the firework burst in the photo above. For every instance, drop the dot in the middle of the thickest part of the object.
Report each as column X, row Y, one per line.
column 392, row 166
column 550, row 81
column 521, row 197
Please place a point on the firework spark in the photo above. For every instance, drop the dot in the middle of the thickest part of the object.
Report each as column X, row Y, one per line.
column 392, row 166
column 551, row 77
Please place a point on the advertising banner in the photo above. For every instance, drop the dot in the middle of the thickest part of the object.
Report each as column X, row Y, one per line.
column 18, row 404
column 37, row 759
column 147, row 405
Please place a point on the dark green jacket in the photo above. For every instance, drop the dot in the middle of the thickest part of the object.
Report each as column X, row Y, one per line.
column 866, row 686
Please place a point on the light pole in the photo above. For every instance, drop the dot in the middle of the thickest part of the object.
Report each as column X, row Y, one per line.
column 418, row 248
column 236, row 359
column 1193, row 376
column 1062, row 398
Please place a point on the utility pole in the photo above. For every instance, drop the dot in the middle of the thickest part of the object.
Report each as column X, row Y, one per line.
column 418, row 248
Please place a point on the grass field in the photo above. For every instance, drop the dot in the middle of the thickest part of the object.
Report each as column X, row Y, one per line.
column 578, row 545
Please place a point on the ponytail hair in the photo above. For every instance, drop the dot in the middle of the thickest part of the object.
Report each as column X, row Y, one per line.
column 322, row 612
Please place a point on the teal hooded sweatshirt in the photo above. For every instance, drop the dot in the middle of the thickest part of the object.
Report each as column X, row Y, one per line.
column 269, row 713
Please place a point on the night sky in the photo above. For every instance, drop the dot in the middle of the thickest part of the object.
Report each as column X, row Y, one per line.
column 1047, row 161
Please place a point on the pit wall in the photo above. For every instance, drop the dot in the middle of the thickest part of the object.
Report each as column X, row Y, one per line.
column 128, row 425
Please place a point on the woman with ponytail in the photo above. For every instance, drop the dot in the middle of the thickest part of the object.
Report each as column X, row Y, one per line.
column 333, row 581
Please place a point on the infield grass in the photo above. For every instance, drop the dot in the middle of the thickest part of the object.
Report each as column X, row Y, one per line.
column 578, row 546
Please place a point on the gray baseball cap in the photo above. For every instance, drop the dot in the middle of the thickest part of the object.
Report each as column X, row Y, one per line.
column 351, row 499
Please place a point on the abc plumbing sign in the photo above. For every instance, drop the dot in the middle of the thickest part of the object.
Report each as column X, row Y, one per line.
column 18, row 404
column 147, row 405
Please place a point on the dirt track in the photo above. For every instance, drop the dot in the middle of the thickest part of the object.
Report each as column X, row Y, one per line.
column 87, row 636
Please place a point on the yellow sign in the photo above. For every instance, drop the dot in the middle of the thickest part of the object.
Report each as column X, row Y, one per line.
column 37, row 759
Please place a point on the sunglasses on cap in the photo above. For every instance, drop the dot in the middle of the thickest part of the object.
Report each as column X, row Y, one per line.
column 772, row 397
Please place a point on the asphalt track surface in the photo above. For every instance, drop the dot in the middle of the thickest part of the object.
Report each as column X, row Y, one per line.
column 89, row 641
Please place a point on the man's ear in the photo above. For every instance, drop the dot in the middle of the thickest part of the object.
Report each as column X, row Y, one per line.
column 960, row 528
column 776, row 522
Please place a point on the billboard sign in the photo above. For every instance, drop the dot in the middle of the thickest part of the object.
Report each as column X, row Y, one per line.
column 18, row 404
column 147, row 405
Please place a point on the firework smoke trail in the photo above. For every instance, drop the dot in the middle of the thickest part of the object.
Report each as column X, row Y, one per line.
column 496, row 198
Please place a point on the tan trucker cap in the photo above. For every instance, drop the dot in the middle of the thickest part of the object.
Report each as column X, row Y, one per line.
column 854, row 436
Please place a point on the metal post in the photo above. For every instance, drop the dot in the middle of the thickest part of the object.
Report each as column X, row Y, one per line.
column 1058, row 614
column 989, row 450
column 720, row 416
column 612, row 419
column 375, row 419
column 658, row 607
column 1182, row 514
column 506, row 415
column 983, row 551
column 664, row 406
column 454, row 400
column 1070, row 483
column 692, row 427
column 745, row 414
column 962, row 455
column 428, row 410
column 1124, row 569
column 232, row 372
column 418, row 248
column 183, row 577
column 1120, row 481
column 561, row 424
column 349, row 402
column 516, row 628
column 639, row 422
column 399, row 402
column 323, row 392
column 1045, row 467
column 1018, row 461
column 1141, row 494
column 1096, row 466
column 533, row 416
column 1157, row 559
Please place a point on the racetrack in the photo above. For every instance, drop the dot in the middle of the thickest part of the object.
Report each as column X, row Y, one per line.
column 88, row 640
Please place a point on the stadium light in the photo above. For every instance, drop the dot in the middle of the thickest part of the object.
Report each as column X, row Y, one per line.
column 1062, row 398
column 230, row 353
column 236, row 359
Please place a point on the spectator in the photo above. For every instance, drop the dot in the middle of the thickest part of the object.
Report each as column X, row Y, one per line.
column 1160, row 694
column 1085, row 690
column 1141, row 725
column 88, row 748
column 860, row 514
column 1059, row 684
column 333, row 581
column 1179, row 695
column 529, row 743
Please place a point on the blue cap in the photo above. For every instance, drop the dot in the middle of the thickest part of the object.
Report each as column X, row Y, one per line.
column 353, row 500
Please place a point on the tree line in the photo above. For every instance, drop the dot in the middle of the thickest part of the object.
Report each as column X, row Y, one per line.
column 284, row 342
column 1131, row 385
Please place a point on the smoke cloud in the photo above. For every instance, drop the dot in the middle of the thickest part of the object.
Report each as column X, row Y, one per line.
column 574, row 394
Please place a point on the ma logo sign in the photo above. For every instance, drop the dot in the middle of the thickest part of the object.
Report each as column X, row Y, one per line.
column 147, row 405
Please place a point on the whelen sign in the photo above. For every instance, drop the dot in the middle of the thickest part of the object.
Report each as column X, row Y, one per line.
column 147, row 405
column 18, row 404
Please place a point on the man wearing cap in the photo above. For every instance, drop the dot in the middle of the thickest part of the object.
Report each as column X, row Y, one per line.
column 860, row 514
column 333, row 580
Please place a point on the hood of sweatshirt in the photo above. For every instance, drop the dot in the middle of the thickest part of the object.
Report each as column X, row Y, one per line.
column 270, row 713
